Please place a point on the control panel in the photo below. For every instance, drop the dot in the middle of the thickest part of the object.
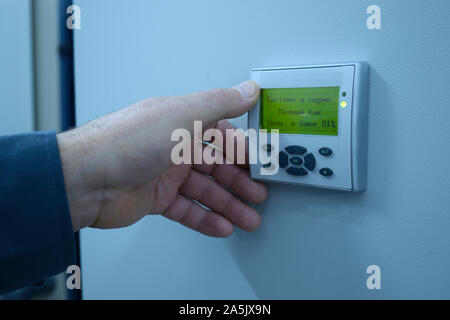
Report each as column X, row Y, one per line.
column 318, row 115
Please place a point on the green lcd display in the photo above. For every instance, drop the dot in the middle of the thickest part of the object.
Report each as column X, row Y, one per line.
column 300, row 110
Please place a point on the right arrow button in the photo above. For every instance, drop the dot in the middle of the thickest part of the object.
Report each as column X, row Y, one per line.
column 310, row 162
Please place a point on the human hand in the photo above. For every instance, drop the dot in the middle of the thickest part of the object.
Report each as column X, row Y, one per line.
column 117, row 168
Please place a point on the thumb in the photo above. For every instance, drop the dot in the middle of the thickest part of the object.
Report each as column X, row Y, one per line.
column 217, row 104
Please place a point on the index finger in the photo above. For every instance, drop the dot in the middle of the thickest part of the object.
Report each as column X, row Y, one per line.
column 239, row 143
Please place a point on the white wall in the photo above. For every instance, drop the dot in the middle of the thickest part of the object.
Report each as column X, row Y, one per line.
column 313, row 243
column 16, row 80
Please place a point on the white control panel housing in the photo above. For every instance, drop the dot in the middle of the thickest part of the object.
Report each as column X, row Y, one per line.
column 345, row 167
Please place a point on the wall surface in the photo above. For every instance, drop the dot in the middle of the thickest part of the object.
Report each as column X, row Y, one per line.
column 312, row 243
column 16, row 77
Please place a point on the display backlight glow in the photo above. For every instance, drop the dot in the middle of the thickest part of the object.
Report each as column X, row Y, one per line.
column 300, row 110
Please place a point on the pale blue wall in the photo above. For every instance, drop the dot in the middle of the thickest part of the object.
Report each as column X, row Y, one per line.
column 16, row 78
column 313, row 243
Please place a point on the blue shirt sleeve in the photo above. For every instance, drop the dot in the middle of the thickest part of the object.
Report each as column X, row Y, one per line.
column 36, row 235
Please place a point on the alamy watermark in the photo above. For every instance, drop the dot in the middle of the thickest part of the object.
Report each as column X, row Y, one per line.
column 74, row 279
column 374, row 280
column 374, row 20
column 211, row 147
column 74, row 20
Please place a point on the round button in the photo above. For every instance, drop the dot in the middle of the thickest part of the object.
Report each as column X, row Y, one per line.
column 325, row 151
column 296, row 161
column 326, row 172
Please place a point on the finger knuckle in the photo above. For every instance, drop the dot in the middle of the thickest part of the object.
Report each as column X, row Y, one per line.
column 220, row 96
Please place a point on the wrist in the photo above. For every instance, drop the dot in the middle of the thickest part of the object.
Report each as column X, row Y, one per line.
column 84, row 192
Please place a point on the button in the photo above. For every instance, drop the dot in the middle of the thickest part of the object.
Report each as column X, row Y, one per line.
column 310, row 162
column 297, row 171
column 267, row 165
column 325, row 151
column 296, row 150
column 283, row 159
column 326, row 172
column 297, row 161
column 268, row 147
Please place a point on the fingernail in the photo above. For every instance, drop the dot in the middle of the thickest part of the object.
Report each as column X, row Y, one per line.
column 247, row 89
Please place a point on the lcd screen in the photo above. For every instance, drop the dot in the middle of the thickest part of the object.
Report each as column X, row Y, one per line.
column 300, row 110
